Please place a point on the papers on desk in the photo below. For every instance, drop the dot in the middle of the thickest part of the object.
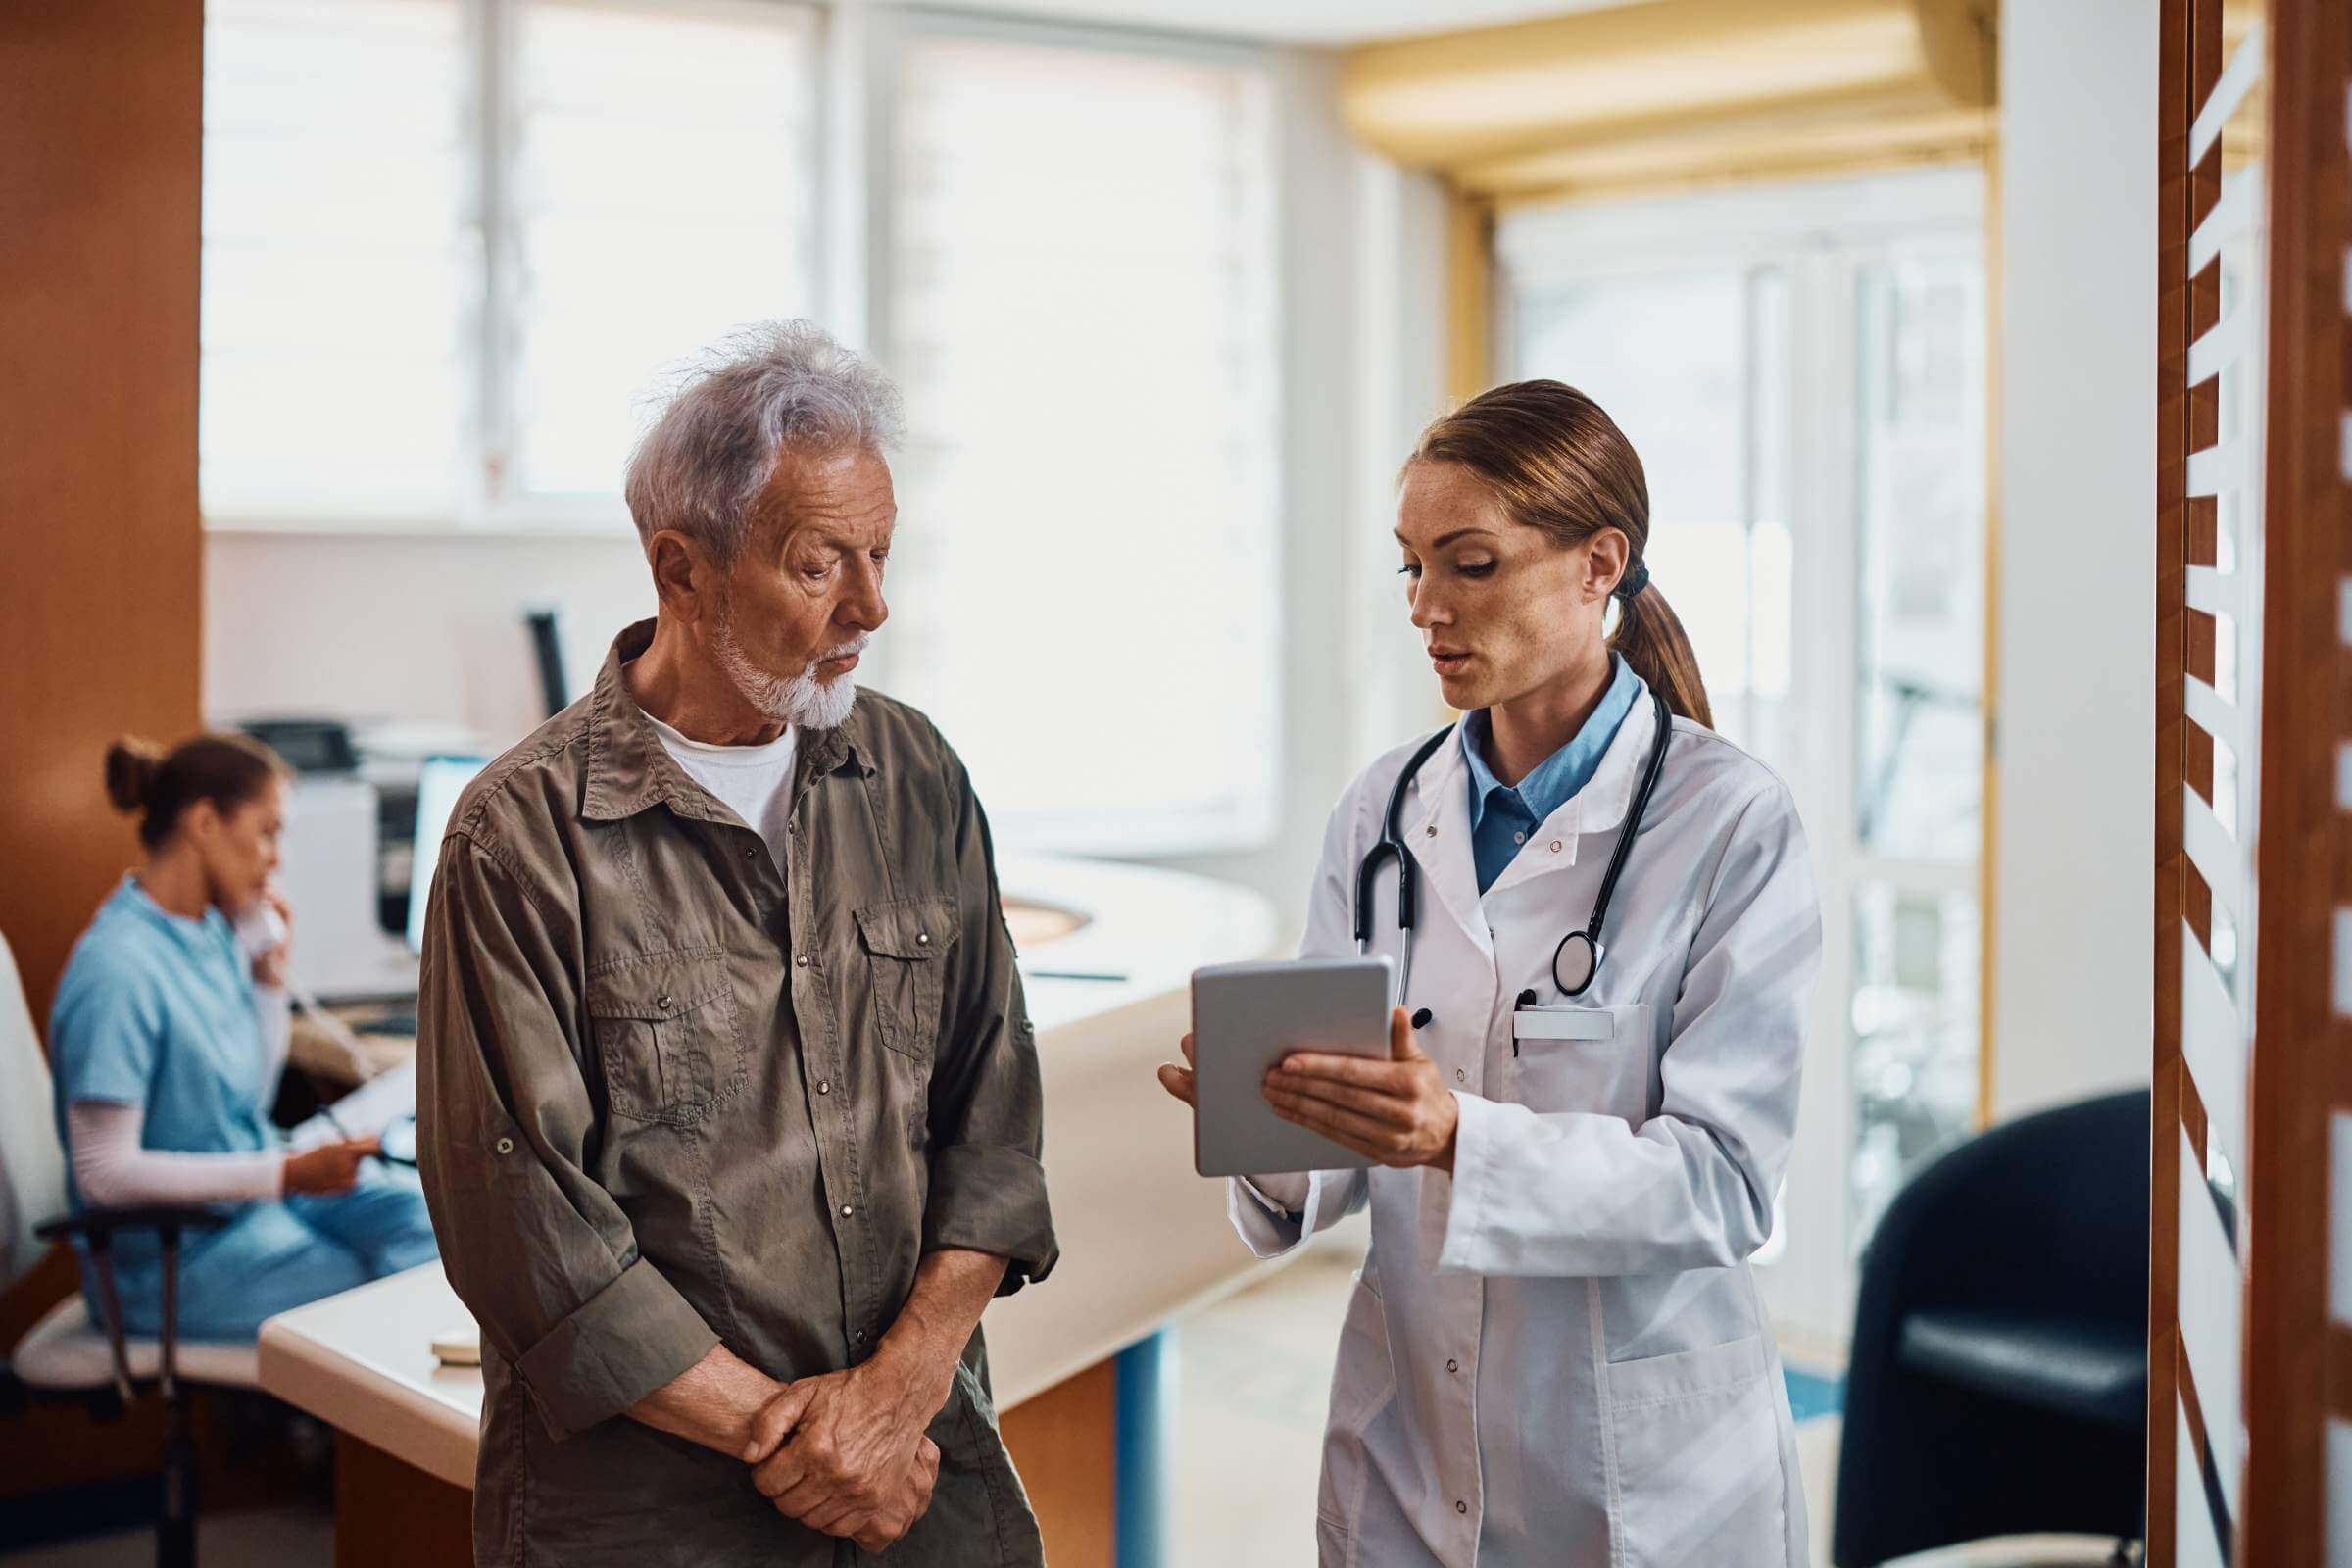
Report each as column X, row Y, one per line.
column 364, row 1113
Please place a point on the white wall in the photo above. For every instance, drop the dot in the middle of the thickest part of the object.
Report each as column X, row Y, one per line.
column 430, row 627
column 427, row 628
column 2074, row 901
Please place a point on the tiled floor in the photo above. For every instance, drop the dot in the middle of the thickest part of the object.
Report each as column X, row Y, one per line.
column 1252, row 1374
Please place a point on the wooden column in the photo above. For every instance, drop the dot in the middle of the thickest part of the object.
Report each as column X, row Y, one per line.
column 101, row 129
column 2298, row 1365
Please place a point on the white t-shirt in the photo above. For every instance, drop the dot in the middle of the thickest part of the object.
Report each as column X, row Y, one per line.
column 754, row 781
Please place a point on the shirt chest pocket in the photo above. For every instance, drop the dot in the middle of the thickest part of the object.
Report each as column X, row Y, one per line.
column 906, row 941
column 1595, row 1059
column 665, row 1029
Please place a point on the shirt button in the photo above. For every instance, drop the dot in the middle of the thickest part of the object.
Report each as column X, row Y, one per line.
column 1518, row 838
column 506, row 1146
column 922, row 939
column 663, row 1002
column 824, row 1086
column 1453, row 1367
column 1459, row 1506
column 1459, row 1076
column 847, row 1211
column 800, row 963
column 751, row 854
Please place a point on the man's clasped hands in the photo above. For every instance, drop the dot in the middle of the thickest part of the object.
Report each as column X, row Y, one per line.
column 844, row 1453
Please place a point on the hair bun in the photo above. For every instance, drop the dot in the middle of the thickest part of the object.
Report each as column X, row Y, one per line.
column 131, row 773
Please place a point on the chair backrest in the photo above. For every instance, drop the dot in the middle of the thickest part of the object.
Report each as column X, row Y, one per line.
column 32, row 1163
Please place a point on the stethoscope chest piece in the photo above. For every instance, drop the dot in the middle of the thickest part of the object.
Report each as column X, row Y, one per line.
column 1575, row 961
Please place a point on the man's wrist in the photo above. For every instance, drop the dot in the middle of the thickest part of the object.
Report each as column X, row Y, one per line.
column 921, row 1363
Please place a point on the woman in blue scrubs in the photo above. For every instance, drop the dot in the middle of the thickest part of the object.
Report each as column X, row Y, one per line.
column 166, row 1039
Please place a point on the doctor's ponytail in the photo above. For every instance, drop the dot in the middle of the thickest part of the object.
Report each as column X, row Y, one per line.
column 1557, row 463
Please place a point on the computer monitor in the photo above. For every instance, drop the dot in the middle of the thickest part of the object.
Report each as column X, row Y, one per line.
column 438, row 786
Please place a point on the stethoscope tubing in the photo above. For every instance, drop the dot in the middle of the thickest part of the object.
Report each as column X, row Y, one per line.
column 1391, row 846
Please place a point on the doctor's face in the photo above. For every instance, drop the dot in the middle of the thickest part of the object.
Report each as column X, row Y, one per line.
column 1502, row 610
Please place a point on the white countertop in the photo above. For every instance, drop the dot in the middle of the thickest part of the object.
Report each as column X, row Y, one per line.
column 1142, row 1237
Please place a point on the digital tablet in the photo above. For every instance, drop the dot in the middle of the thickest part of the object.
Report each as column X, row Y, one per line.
column 1249, row 1017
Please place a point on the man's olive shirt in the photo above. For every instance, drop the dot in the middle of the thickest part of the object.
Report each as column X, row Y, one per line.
column 669, row 1098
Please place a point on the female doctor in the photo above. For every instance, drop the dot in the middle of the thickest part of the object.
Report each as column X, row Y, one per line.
column 1556, row 1352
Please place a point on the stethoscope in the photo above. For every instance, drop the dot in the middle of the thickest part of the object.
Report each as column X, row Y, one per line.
column 1577, row 959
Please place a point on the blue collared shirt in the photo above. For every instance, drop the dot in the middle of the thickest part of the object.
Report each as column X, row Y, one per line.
column 1502, row 817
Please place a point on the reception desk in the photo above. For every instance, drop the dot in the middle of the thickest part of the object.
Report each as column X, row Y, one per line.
column 1107, row 953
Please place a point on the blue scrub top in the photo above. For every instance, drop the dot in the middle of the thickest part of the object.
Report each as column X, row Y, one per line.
column 157, row 1009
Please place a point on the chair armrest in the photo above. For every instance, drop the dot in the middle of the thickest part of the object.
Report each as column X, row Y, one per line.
column 97, row 1227
column 96, row 1223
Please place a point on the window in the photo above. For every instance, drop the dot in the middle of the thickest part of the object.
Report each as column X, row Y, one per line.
column 334, row 289
column 1694, row 369
column 1085, row 329
column 663, row 192
column 505, row 223
column 1918, row 751
column 452, row 250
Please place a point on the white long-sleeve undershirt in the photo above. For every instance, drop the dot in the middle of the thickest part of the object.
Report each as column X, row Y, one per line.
column 113, row 1171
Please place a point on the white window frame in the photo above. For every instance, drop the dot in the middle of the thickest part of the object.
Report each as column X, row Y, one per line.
column 1821, row 237
column 483, row 505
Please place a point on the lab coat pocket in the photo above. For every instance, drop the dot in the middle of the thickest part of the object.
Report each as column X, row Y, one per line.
column 1362, row 1386
column 1694, row 1459
column 1606, row 1071
column 906, row 941
column 664, row 1025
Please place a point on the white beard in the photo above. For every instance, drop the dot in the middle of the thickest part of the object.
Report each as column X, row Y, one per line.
column 801, row 698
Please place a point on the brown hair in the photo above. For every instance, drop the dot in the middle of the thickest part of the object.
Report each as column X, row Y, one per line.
column 228, row 770
column 1557, row 463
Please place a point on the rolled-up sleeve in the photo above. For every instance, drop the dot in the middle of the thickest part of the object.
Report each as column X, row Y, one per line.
column 537, row 1249
column 987, row 1188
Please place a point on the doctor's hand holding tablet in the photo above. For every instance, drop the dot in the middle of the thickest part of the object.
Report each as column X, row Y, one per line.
column 1546, row 1025
column 1310, row 1071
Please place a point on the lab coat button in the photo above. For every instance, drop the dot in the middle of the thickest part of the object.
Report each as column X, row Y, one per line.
column 1453, row 1367
column 1459, row 1506
column 1556, row 845
column 1459, row 1076
column 1431, row 830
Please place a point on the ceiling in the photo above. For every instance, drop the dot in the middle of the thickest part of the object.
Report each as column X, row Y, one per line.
column 1325, row 23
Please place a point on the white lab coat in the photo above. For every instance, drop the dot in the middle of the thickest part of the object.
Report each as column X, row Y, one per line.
column 1557, row 1354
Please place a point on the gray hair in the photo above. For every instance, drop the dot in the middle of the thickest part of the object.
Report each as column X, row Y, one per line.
column 717, row 442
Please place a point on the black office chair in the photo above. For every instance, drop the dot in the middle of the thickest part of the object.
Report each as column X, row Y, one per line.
column 1998, row 1384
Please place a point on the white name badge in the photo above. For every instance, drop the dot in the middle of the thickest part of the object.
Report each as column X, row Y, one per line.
column 1563, row 1023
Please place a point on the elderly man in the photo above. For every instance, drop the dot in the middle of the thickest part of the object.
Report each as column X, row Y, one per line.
column 729, row 1105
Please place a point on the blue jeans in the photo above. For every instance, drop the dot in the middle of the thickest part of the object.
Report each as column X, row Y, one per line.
column 273, row 1257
